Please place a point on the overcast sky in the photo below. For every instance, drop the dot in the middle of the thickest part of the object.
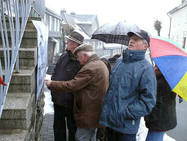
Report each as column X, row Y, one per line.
column 141, row 12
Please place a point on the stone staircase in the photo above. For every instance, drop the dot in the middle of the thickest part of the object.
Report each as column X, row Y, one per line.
column 22, row 114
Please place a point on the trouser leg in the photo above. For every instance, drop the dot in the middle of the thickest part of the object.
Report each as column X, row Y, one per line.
column 83, row 134
column 59, row 125
column 71, row 124
column 155, row 136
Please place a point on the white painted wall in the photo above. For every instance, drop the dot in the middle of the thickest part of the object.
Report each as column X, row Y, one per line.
column 179, row 26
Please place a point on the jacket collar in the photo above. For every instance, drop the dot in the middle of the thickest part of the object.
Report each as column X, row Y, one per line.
column 133, row 55
column 92, row 58
column 71, row 56
column 160, row 76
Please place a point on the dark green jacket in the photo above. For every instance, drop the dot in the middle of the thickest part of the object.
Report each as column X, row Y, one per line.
column 163, row 116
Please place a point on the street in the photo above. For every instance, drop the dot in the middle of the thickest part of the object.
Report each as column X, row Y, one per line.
column 179, row 133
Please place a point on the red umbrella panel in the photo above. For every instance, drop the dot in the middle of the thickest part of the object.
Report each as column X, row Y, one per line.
column 2, row 82
column 171, row 59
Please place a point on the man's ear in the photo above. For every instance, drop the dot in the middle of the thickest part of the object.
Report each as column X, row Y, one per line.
column 146, row 46
column 75, row 44
column 85, row 55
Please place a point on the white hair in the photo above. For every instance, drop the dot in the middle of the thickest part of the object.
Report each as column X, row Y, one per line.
column 89, row 53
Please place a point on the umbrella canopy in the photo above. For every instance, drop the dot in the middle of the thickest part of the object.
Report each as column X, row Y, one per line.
column 115, row 32
column 171, row 59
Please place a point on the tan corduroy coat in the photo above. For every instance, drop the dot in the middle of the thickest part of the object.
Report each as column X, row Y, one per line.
column 90, row 86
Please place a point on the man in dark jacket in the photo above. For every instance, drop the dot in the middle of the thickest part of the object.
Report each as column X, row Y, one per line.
column 90, row 86
column 132, row 90
column 65, row 69
column 163, row 116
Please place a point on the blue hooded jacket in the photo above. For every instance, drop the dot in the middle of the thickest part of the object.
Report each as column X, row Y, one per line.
column 131, row 93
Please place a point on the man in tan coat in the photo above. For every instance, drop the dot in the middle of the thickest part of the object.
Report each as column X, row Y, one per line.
column 89, row 86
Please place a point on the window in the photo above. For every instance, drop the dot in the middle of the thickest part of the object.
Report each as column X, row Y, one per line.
column 185, row 17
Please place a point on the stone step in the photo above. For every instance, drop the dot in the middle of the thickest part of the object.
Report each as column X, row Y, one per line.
column 15, row 111
column 29, row 24
column 29, row 43
column 23, row 81
column 25, row 43
column 28, row 33
column 29, row 39
column 27, row 57
column 12, row 135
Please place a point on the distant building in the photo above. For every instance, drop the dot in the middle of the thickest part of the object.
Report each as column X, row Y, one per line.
column 87, row 25
column 178, row 24
column 54, row 22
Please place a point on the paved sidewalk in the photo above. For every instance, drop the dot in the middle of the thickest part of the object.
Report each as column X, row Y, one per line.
column 47, row 127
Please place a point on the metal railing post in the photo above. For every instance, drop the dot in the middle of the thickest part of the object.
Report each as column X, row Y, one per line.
column 14, row 34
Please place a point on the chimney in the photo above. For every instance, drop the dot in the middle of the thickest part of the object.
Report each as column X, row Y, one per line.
column 73, row 13
column 62, row 12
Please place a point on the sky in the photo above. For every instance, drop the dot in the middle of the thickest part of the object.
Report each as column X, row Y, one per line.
column 141, row 12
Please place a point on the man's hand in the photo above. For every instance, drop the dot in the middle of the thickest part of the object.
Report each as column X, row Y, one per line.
column 180, row 99
column 47, row 82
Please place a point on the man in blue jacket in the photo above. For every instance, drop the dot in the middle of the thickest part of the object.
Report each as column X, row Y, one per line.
column 132, row 90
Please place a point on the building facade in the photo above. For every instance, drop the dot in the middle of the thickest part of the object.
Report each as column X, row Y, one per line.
column 54, row 23
column 87, row 25
column 178, row 24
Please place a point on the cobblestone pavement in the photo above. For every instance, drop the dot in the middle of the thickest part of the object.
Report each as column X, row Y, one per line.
column 47, row 129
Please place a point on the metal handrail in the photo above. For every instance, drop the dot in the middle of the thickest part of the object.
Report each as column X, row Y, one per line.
column 16, row 12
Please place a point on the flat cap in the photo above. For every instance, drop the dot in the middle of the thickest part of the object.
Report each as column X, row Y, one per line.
column 84, row 47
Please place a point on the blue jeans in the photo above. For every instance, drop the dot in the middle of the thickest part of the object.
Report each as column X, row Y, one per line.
column 155, row 136
column 59, row 125
column 83, row 134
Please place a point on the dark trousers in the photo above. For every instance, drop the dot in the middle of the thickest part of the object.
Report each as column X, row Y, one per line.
column 59, row 126
column 126, row 137
column 112, row 135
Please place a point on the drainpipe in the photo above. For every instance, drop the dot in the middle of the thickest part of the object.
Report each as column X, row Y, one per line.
column 169, row 34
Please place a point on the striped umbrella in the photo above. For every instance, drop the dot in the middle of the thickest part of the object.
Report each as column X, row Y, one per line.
column 171, row 59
